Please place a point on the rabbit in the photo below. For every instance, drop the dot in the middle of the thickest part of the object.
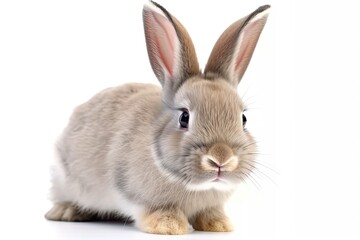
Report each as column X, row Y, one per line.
column 167, row 156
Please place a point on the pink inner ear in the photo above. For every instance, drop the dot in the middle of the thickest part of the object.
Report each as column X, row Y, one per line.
column 240, row 57
column 164, row 38
column 246, row 46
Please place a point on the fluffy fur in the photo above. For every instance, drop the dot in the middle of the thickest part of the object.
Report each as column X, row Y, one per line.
column 124, row 153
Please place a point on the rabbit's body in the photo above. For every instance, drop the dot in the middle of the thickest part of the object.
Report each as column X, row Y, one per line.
column 163, row 157
column 96, row 143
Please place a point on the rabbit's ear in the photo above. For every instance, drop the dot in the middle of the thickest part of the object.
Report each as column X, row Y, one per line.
column 170, row 48
column 233, row 50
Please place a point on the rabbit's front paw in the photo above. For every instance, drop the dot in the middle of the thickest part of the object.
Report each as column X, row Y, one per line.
column 212, row 220
column 170, row 221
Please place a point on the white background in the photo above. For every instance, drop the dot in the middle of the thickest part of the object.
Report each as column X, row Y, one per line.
column 302, row 89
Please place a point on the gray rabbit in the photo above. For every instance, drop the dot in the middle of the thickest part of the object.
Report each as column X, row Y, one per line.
column 164, row 157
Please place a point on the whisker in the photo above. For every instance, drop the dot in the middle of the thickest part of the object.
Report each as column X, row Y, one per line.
column 264, row 165
column 253, row 181
column 256, row 170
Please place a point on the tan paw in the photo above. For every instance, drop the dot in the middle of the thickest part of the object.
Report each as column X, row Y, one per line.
column 172, row 221
column 212, row 220
column 66, row 212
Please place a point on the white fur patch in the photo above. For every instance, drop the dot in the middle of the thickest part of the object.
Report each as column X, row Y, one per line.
column 261, row 15
column 100, row 197
column 149, row 6
column 221, row 185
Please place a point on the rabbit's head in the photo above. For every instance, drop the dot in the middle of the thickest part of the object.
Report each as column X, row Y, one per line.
column 201, row 140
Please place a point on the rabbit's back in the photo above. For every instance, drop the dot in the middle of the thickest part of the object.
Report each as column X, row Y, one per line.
column 86, row 141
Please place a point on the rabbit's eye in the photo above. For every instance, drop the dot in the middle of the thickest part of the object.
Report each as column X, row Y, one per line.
column 244, row 119
column 184, row 119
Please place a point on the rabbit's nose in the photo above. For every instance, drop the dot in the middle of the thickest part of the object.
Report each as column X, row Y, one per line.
column 219, row 157
column 209, row 163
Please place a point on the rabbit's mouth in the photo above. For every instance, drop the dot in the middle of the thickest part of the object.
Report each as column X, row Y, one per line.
column 219, row 179
column 219, row 176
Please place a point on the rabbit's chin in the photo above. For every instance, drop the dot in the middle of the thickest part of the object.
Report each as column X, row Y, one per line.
column 215, row 184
